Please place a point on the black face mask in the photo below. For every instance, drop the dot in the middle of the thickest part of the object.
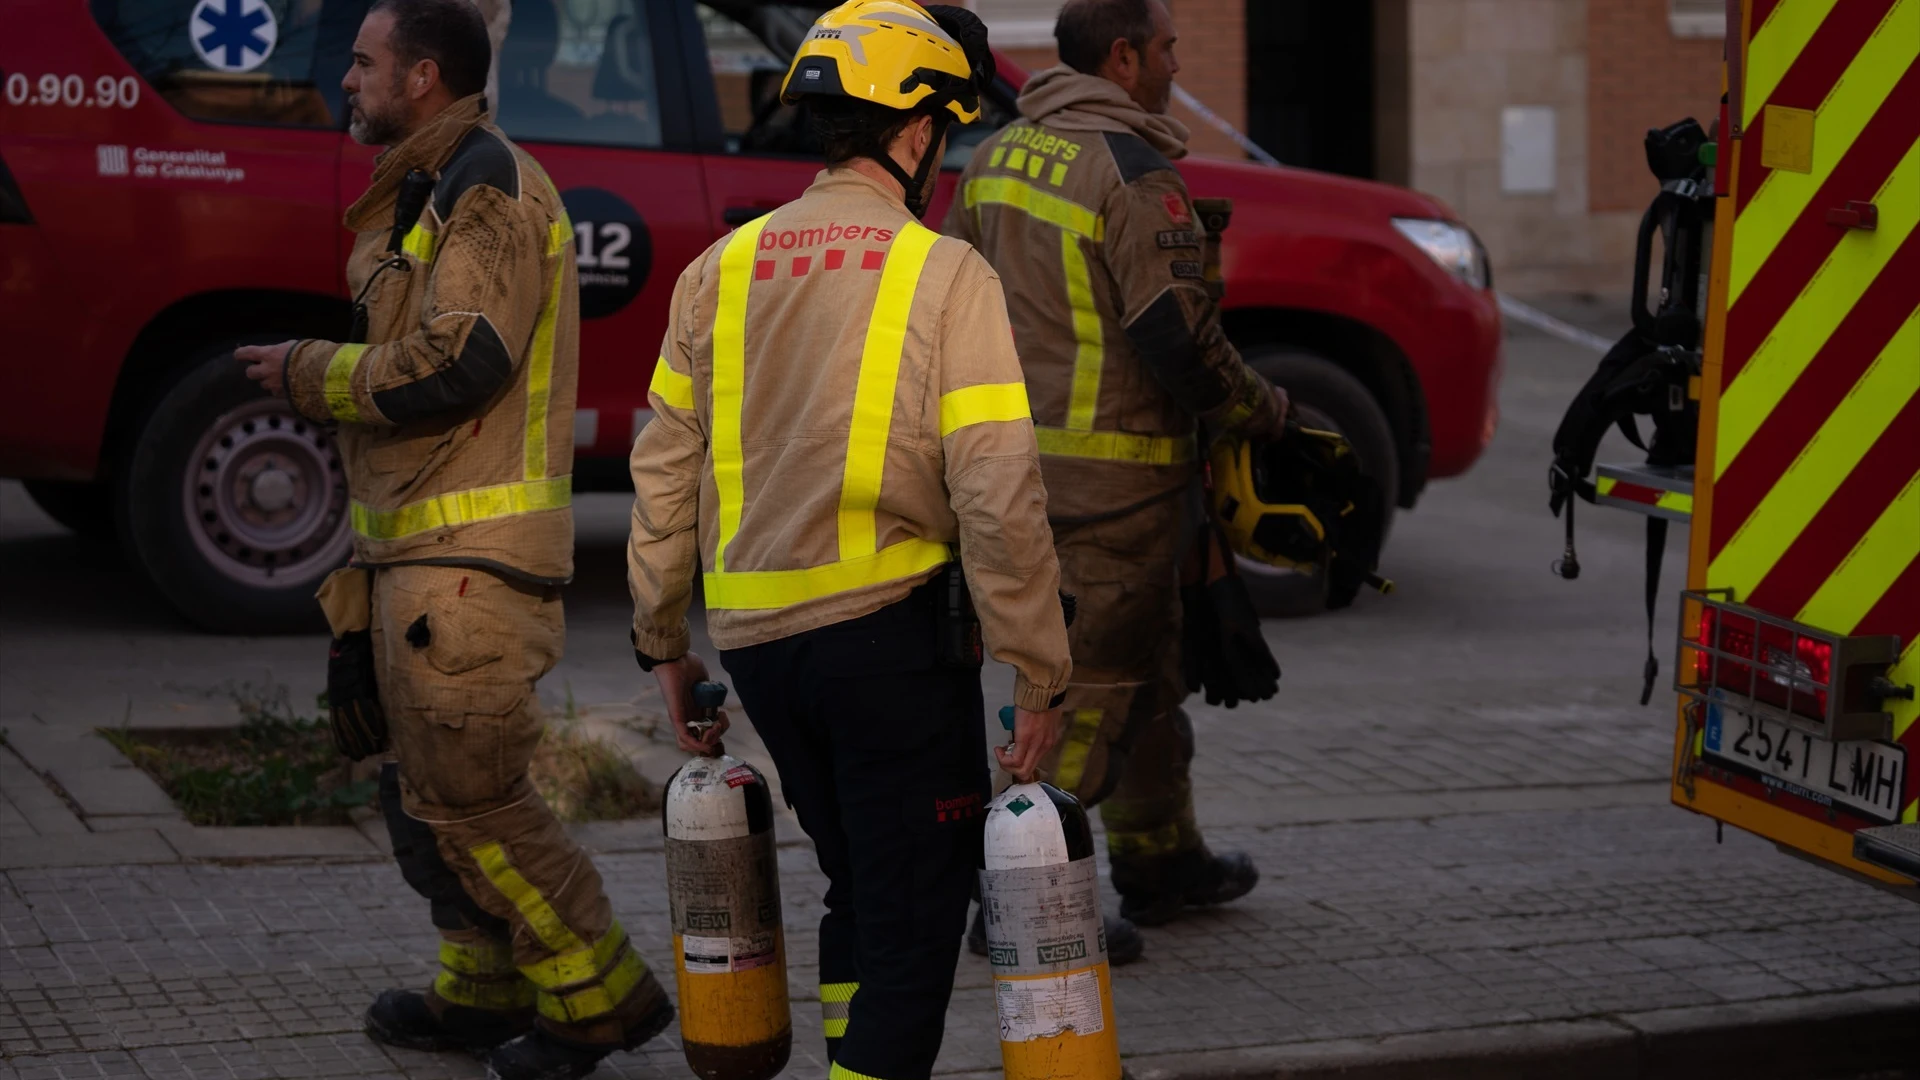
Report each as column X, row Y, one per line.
column 919, row 193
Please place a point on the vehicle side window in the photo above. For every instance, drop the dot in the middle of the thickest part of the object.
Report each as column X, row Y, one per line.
column 239, row 60
column 747, row 74
column 579, row 71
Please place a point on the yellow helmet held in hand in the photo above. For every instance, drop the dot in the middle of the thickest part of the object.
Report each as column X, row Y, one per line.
column 1301, row 503
column 892, row 53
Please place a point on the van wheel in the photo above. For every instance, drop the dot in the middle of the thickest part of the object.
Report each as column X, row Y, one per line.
column 1326, row 396
column 85, row 508
column 234, row 506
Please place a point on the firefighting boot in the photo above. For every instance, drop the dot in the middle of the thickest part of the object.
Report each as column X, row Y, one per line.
column 1124, row 943
column 403, row 1018
column 1154, row 891
column 540, row 1055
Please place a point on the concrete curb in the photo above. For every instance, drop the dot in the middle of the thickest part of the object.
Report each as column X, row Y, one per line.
column 1823, row 1034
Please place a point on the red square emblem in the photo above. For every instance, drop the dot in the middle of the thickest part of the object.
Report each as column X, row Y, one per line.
column 1177, row 208
column 872, row 260
column 763, row 270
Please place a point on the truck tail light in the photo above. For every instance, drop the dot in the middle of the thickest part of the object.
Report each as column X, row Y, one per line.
column 1756, row 662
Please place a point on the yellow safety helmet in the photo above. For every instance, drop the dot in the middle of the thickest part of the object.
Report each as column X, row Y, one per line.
column 1301, row 503
column 889, row 52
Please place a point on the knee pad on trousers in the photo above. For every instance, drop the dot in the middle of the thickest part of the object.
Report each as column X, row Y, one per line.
column 417, row 851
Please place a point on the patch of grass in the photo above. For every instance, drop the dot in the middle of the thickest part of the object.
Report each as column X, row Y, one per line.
column 280, row 768
column 277, row 768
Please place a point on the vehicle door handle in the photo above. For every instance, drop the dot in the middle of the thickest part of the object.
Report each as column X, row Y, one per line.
column 740, row 215
column 1864, row 216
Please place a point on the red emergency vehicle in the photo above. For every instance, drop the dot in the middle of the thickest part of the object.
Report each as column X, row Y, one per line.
column 173, row 174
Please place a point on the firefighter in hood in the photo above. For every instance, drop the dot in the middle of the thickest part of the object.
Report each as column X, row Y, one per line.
column 841, row 441
column 454, row 398
column 1078, row 206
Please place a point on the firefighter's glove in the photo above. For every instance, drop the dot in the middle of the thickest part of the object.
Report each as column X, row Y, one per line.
column 353, row 698
column 1223, row 653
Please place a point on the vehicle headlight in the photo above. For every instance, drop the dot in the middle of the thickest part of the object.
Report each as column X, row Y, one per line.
column 1450, row 244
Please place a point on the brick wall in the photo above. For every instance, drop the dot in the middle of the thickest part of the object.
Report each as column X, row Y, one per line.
column 1639, row 76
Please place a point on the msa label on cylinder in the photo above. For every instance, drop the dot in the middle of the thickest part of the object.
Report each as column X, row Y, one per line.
column 722, row 955
column 1049, row 1005
column 1043, row 920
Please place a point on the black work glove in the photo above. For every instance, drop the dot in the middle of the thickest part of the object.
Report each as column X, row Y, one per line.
column 1222, row 650
column 353, row 698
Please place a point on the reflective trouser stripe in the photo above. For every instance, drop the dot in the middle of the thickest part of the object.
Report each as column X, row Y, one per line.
column 835, row 1000
column 874, row 392
column 338, row 386
column 1044, row 205
column 762, row 589
column 540, row 916
column 1078, row 744
column 494, row 958
column 861, row 563
column 982, row 404
column 674, row 388
column 462, row 508
column 1089, row 349
column 499, row 995
column 580, row 964
column 1116, row 446
column 728, row 389
column 419, row 243
column 841, row 1072
column 1164, row 840
column 590, row 1002
column 573, row 960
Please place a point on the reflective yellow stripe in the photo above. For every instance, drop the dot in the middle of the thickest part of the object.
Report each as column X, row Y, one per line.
column 835, row 1000
column 541, row 918
column 982, row 404
column 1164, row 840
column 1668, row 500
column 1089, row 353
column 419, row 243
column 559, row 234
column 1872, row 567
column 499, row 996
column 1783, row 196
column 462, row 508
column 727, row 392
column 489, row 959
column 1078, row 745
column 1817, row 312
column 591, row 1002
column 580, row 965
column 841, row 1072
column 674, row 388
column 1116, row 446
column 339, row 383
column 1801, row 492
column 762, row 589
column 1017, row 193
column 874, row 392
column 1775, row 45
column 540, row 378
column 1058, row 176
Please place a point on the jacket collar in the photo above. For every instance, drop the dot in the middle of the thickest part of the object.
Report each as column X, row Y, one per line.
column 839, row 181
column 426, row 149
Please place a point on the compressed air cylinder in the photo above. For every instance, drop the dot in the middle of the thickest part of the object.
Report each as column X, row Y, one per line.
column 723, row 890
column 1041, row 894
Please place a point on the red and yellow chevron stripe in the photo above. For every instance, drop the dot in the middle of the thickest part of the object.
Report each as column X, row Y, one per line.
column 1812, row 511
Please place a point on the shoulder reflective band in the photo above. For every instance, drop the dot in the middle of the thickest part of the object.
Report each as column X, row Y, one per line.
column 834, row 1001
column 339, row 383
column 982, row 404
column 419, row 243
column 559, row 233
column 1089, row 347
column 728, row 391
column 1044, row 205
column 674, row 388
column 462, row 508
column 873, row 394
column 1116, row 446
column 762, row 589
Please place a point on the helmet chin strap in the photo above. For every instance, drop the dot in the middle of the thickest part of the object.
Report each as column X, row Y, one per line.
column 917, row 195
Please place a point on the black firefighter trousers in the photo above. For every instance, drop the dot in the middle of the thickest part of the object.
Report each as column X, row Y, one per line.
column 882, row 754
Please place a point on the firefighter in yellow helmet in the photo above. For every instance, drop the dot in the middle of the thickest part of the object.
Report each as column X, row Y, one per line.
column 841, row 442
column 1078, row 205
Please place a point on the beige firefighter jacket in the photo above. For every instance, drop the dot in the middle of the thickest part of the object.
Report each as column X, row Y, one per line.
column 836, row 404
column 455, row 404
column 1081, row 212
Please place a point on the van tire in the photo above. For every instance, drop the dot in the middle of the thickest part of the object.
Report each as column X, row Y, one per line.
column 243, row 548
column 1324, row 395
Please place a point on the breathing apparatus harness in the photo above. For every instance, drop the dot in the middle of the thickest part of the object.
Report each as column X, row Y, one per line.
column 1650, row 371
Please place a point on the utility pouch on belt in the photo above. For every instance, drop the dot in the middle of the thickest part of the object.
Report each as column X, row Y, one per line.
column 956, row 624
column 353, row 695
